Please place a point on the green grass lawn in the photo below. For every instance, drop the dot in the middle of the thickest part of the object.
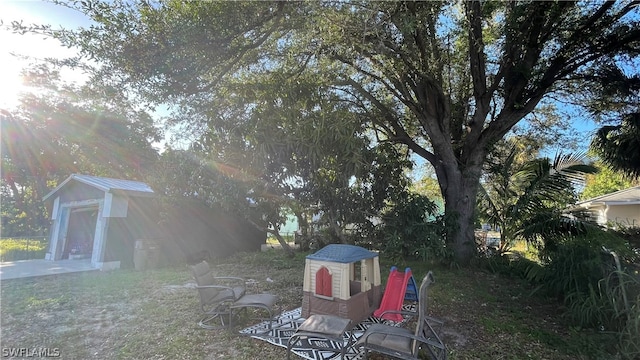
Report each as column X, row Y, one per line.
column 12, row 249
column 126, row 314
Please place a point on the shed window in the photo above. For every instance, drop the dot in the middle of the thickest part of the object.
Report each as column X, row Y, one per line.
column 323, row 282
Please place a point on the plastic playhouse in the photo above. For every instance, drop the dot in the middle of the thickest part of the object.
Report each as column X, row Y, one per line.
column 342, row 280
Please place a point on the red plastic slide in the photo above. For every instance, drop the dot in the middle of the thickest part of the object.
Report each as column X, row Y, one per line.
column 393, row 297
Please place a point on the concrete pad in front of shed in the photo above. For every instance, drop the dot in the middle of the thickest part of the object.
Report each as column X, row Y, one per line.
column 41, row 267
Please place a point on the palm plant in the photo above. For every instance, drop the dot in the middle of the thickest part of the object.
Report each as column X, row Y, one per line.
column 619, row 145
column 525, row 198
column 616, row 100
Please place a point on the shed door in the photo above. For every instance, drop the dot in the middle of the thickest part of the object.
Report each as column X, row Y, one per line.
column 60, row 242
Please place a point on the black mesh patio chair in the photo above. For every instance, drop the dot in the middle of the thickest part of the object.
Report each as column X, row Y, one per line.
column 223, row 297
column 402, row 343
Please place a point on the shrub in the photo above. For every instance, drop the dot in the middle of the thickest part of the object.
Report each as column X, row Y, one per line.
column 411, row 230
column 632, row 236
column 613, row 306
column 509, row 265
column 578, row 263
column 629, row 345
column 598, row 290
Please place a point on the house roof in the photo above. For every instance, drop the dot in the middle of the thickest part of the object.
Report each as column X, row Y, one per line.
column 342, row 253
column 630, row 196
column 129, row 187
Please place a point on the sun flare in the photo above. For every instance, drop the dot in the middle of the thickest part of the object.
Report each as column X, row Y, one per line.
column 19, row 52
column 11, row 84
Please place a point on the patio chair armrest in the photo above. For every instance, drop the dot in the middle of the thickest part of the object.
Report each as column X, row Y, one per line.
column 406, row 315
column 401, row 312
column 221, row 287
column 435, row 321
column 230, row 279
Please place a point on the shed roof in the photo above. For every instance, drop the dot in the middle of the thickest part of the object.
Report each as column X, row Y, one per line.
column 129, row 187
column 342, row 253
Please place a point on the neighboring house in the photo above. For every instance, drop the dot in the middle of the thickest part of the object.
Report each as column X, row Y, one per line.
column 617, row 208
column 103, row 219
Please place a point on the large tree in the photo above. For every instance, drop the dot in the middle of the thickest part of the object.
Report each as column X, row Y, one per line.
column 445, row 79
column 605, row 182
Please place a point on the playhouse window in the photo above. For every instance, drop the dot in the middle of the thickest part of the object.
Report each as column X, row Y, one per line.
column 323, row 282
column 355, row 285
column 357, row 271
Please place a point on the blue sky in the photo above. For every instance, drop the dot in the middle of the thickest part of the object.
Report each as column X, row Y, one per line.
column 41, row 12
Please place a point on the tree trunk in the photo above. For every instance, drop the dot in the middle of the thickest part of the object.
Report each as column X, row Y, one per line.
column 287, row 249
column 285, row 246
column 303, row 225
column 460, row 202
column 335, row 226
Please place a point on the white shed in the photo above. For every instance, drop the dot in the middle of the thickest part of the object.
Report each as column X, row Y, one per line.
column 85, row 208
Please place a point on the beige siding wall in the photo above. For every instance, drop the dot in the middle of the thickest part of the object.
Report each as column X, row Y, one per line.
column 628, row 215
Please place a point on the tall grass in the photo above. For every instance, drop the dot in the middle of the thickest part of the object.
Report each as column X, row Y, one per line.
column 12, row 249
column 598, row 292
